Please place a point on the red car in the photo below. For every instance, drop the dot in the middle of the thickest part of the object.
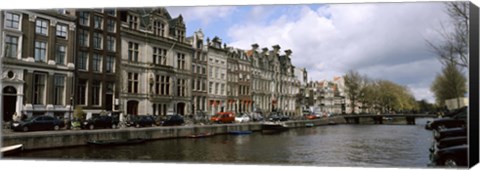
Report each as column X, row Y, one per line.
column 223, row 117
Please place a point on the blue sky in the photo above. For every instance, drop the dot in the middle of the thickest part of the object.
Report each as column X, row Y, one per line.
column 380, row 40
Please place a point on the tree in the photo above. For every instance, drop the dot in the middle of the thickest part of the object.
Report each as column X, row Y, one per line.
column 353, row 82
column 454, row 47
column 450, row 84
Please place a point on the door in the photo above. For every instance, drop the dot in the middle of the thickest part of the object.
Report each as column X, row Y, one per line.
column 181, row 108
column 132, row 107
column 9, row 103
column 108, row 102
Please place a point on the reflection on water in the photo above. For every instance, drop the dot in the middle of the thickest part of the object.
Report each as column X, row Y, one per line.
column 340, row 145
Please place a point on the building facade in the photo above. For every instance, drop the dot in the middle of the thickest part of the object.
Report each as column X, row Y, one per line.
column 199, row 73
column 217, row 76
column 97, row 57
column 155, row 65
column 37, row 62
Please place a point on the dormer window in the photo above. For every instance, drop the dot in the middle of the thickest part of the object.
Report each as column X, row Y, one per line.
column 133, row 22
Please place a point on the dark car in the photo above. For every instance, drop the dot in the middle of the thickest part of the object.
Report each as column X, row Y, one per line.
column 102, row 121
column 451, row 132
column 142, row 121
column 277, row 117
column 457, row 120
column 450, row 156
column 42, row 122
column 171, row 120
column 448, row 142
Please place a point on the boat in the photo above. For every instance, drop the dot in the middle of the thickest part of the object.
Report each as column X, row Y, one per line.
column 240, row 132
column 202, row 135
column 113, row 142
column 309, row 125
column 331, row 122
column 13, row 149
column 272, row 127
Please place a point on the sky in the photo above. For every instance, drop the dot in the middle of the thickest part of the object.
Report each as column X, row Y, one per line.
column 381, row 40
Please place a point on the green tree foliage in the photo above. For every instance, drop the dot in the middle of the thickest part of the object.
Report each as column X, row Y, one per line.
column 450, row 84
column 353, row 85
column 377, row 96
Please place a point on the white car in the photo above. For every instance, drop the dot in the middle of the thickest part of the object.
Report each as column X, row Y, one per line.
column 240, row 118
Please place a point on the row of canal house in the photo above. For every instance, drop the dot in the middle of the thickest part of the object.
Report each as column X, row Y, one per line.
column 137, row 61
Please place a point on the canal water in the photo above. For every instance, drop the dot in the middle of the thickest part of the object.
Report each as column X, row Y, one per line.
column 336, row 145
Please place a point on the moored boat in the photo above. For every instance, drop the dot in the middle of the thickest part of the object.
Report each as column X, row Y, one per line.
column 273, row 127
column 13, row 149
column 240, row 132
column 202, row 135
column 116, row 142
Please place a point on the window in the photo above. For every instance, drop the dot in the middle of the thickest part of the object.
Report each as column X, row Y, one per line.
column 109, row 11
column 83, row 37
column 59, row 88
column 97, row 22
column 210, row 71
column 204, row 87
column 97, row 40
column 199, row 88
column 11, row 46
column 133, row 82
column 84, row 18
column 132, row 22
column 60, row 54
column 81, row 92
column 216, row 88
column 110, row 64
column 159, row 56
column 38, row 88
column 158, row 28
column 62, row 31
column 111, row 43
column 96, row 93
column 204, row 70
column 199, row 69
column 210, row 87
column 222, row 89
column 12, row 20
column 193, row 68
column 110, row 25
column 82, row 60
column 164, row 85
column 40, row 51
column 132, row 52
column 41, row 26
column 181, row 88
column 97, row 63
column 181, row 61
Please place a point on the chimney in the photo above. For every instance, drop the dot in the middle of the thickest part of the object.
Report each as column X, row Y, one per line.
column 288, row 52
column 254, row 46
column 276, row 48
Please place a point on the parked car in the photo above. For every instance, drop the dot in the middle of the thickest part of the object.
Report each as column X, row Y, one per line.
column 311, row 116
column 142, row 121
column 223, row 117
column 42, row 122
column 439, row 134
column 256, row 116
column 458, row 120
column 275, row 116
column 102, row 121
column 453, row 156
column 243, row 117
column 171, row 120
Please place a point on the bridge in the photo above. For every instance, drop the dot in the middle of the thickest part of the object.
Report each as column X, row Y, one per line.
column 378, row 119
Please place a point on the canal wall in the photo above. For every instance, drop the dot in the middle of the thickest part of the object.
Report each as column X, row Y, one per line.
column 69, row 138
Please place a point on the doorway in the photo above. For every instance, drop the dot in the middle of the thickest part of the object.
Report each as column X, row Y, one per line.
column 9, row 102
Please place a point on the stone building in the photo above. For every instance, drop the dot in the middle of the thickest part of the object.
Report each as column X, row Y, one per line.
column 37, row 62
column 155, row 65
column 97, row 56
column 232, row 80
column 199, row 73
column 217, row 76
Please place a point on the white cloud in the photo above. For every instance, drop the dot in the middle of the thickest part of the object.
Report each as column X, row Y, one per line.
column 381, row 39
column 204, row 14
